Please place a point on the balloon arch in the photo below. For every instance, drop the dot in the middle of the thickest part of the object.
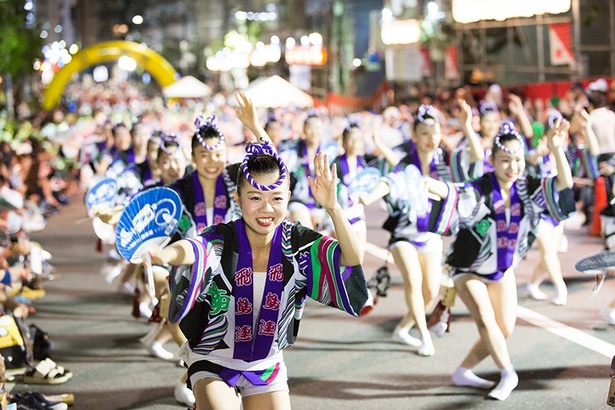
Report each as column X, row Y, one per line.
column 162, row 71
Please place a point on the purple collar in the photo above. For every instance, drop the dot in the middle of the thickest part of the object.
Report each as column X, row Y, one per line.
column 200, row 207
column 506, row 233
column 253, row 345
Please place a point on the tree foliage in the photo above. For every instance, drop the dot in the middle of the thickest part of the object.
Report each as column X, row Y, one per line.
column 19, row 45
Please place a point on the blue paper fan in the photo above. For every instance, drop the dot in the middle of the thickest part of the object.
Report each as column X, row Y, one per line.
column 102, row 193
column 364, row 182
column 149, row 220
column 600, row 261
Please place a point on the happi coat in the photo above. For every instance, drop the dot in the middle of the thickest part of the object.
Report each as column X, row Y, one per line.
column 204, row 294
column 475, row 248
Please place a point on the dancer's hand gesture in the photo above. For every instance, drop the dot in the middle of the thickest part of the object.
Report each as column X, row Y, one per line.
column 246, row 112
column 558, row 134
column 324, row 186
column 465, row 113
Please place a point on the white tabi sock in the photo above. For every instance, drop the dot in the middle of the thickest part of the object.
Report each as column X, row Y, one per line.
column 466, row 377
column 509, row 380
column 402, row 336
column 426, row 348
column 561, row 295
column 535, row 293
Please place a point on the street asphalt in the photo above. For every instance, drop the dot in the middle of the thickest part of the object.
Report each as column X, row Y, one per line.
column 562, row 353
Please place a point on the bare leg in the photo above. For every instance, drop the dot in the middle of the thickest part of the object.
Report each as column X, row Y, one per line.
column 128, row 273
column 548, row 240
column 533, row 285
column 278, row 400
column 492, row 306
column 215, row 394
column 182, row 393
column 431, row 267
column 176, row 333
column 407, row 260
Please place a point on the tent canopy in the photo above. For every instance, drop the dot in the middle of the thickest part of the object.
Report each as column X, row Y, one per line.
column 276, row 92
column 187, row 87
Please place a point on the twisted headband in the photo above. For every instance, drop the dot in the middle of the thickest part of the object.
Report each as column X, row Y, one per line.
column 352, row 123
column 425, row 113
column 265, row 148
column 155, row 137
column 508, row 128
column 209, row 123
column 486, row 108
column 554, row 117
column 169, row 138
column 311, row 114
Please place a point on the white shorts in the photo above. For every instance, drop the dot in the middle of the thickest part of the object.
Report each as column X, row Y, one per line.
column 423, row 243
column 244, row 387
column 508, row 275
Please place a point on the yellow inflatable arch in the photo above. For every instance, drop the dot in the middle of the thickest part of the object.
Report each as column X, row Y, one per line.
column 162, row 71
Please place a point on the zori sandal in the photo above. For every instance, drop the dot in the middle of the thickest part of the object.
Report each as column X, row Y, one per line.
column 47, row 372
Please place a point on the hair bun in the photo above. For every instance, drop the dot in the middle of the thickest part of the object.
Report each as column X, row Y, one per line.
column 210, row 123
column 264, row 148
column 507, row 128
column 554, row 117
column 486, row 107
column 426, row 112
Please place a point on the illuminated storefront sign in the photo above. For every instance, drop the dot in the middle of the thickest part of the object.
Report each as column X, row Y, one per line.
column 306, row 55
column 468, row 11
column 397, row 32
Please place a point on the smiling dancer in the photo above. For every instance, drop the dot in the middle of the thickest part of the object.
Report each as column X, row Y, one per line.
column 241, row 299
column 416, row 244
column 550, row 232
column 499, row 215
column 207, row 192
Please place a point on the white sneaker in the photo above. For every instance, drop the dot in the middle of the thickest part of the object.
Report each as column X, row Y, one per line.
column 183, row 394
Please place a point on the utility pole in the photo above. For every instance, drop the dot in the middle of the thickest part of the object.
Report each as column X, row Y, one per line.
column 335, row 78
column 576, row 39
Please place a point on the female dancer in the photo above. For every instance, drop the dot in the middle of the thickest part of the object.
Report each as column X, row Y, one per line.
column 171, row 162
column 498, row 217
column 207, row 192
column 416, row 243
column 303, row 208
column 349, row 165
column 213, row 182
column 490, row 121
column 550, row 232
column 242, row 298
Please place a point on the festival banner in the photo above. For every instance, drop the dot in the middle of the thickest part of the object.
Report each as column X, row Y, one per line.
column 560, row 44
